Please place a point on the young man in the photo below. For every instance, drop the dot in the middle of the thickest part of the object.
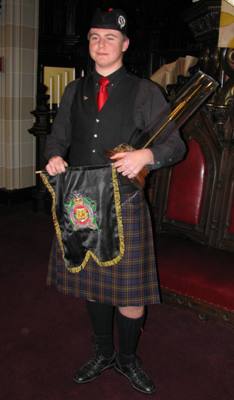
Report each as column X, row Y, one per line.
column 84, row 130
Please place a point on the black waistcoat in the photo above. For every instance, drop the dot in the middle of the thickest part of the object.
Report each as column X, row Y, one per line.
column 95, row 132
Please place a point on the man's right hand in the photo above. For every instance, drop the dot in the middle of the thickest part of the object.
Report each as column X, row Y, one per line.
column 56, row 165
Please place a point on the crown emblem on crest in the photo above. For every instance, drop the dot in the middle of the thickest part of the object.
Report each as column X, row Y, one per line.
column 81, row 211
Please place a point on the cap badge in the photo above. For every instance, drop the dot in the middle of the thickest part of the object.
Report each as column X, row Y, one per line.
column 121, row 21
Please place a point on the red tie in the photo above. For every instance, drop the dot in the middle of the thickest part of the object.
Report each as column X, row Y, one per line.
column 103, row 93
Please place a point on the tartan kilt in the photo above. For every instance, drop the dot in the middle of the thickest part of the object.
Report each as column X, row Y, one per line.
column 133, row 281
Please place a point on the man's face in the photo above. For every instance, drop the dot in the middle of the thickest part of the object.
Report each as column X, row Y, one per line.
column 106, row 47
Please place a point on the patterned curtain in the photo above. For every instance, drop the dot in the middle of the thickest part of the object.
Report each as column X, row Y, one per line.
column 18, row 49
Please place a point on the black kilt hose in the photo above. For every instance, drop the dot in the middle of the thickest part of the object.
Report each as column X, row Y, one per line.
column 133, row 281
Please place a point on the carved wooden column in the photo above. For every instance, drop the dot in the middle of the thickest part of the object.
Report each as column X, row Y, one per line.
column 221, row 114
column 40, row 129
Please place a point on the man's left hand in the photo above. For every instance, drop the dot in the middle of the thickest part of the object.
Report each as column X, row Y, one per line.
column 130, row 163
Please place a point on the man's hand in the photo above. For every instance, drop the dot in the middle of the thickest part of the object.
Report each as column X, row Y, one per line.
column 130, row 163
column 56, row 165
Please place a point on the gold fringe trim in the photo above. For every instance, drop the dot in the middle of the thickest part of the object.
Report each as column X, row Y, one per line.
column 58, row 232
column 89, row 254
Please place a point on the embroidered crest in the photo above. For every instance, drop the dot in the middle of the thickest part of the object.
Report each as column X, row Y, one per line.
column 81, row 211
column 121, row 21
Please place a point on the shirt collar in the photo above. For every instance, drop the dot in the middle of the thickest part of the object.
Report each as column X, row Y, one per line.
column 114, row 78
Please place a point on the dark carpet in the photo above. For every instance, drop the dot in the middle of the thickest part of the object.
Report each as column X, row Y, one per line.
column 45, row 335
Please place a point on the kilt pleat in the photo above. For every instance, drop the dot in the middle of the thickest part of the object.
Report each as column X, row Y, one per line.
column 133, row 281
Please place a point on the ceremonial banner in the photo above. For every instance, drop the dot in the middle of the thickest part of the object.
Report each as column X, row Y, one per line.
column 86, row 213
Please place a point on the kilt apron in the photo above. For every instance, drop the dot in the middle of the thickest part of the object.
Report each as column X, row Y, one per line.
column 131, row 282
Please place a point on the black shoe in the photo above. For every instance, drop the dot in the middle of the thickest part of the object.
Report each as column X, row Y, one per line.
column 93, row 368
column 136, row 375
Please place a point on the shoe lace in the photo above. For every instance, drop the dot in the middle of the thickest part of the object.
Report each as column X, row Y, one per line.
column 94, row 361
column 138, row 372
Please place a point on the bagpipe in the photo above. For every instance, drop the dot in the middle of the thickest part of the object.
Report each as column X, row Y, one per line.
column 189, row 98
column 86, row 204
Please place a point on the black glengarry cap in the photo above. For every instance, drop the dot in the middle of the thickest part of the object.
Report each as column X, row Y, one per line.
column 111, row 19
